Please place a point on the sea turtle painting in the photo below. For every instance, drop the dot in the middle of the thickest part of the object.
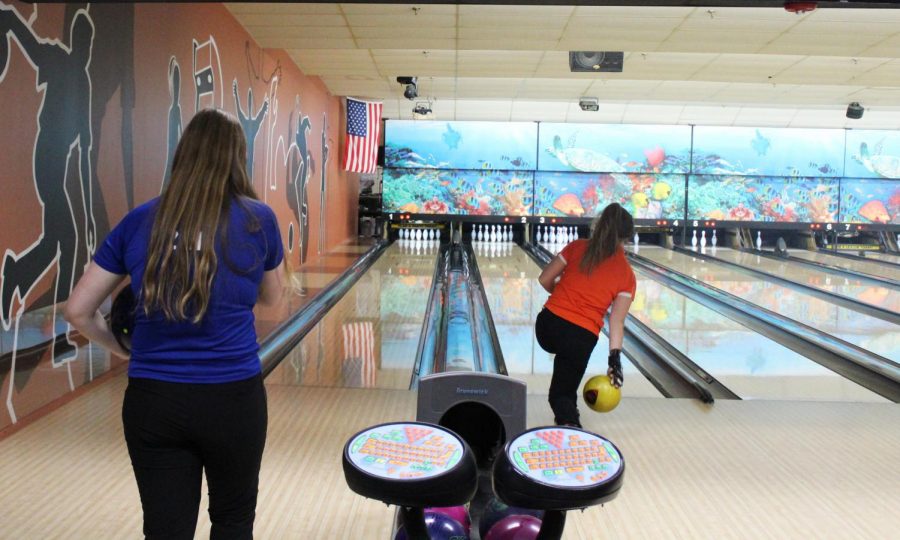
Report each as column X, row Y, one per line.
column 583, row 159
column 881, row 164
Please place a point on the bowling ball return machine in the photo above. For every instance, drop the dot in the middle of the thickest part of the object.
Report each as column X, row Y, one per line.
column 477, row 420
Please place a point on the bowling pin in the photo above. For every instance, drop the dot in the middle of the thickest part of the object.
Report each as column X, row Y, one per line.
column 552, row 235
column 703, row 238
column 540, row 235
column 694, row 239
column 637, row 240
column 759, row 240
column 714, row 238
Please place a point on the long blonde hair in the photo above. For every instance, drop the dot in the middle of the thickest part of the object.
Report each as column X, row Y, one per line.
column 209, row 171
column 614, row 225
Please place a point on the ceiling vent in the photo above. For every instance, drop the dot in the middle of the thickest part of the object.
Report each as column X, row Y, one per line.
column 596, row 61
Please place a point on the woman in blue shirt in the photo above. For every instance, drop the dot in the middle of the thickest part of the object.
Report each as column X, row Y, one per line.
column 199, row 257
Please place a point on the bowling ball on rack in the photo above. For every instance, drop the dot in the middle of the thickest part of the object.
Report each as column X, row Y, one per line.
column 440, row 527
column 515, row 527
column 600, row 395
column 496, row 510
column 121, row 317
column 458, row 513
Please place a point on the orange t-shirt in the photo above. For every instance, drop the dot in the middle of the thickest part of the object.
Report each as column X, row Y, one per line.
column 583, row 299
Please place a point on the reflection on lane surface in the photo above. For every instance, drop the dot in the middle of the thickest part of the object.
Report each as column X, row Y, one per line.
column 749, row 364
column 866, row 267
column 370, row 337
column 863, row 290
column 873, row 334
column 877, row 255
column 515, row 298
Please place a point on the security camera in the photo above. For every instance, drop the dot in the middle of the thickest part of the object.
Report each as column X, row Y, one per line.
column 589, row 104
column 411, row 92
column 855, row 110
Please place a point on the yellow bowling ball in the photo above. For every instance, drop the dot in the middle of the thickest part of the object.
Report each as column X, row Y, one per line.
column 600, row 395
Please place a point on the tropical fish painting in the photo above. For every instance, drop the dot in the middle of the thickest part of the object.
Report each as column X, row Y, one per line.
column 870, row 201
column 587, row 194
column 456, row 192
column 776, row 199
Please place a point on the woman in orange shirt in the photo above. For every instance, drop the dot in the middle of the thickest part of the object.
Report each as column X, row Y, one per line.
column 584, row 280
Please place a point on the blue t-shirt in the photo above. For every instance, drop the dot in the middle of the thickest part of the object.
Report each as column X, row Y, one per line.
column 223, row 346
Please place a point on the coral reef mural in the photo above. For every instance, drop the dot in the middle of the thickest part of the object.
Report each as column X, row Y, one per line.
column 464, row 192
column 768, row 151
column 752, row 198
column 614, row 148
column 646, row 196
column 870, row 201
column 460, row 145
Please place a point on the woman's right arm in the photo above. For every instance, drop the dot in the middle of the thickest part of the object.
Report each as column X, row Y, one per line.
column 271, row 290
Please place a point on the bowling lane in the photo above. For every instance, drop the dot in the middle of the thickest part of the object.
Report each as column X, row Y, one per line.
column 369, row 339
column 751, row 365
column 879, row 256
column 515, row 298
column 863, row 290
column 873, row 334
column 866, row 267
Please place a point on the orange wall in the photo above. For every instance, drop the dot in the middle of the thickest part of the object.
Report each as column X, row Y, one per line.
column 124, row 120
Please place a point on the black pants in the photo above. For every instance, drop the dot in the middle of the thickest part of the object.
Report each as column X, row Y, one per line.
column 572, row 346
column 174, row 431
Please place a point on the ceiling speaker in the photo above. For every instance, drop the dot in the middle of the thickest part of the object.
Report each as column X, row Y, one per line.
column 596, row 61
column 855, row 110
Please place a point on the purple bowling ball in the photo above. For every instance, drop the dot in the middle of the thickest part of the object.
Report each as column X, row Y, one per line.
column 440, row 527
column 495, row 510
column 515, row 527
column 458, row 513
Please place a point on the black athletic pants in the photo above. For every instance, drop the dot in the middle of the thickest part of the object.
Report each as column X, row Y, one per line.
column 174, row 431
column 572, row 346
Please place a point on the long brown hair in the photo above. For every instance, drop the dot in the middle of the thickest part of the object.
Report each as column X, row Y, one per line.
column 613, row 226
column 209, row 171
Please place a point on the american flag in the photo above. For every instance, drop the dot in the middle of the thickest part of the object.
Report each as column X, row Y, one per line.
column 358, row 369
column 363, row 129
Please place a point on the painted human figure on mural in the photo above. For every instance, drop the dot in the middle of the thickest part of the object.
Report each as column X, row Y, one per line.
column 250, row 122
column 173, row 133
column 304, row 126
column 322, row 197
column 64, row 124
column 207, row 75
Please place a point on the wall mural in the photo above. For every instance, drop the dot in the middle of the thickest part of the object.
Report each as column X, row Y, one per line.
column 870, row 201
column 768, row 151
column 461, row 192
column 873, row 154
column 763, row 198
column 70, row 72
column 646, row 196
column 460, row 145
column 614, row 148
column 785, row 175
column 68, row 232
column 175, row 119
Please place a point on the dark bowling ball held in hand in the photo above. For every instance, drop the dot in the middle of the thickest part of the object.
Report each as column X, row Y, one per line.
column 121, row 317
